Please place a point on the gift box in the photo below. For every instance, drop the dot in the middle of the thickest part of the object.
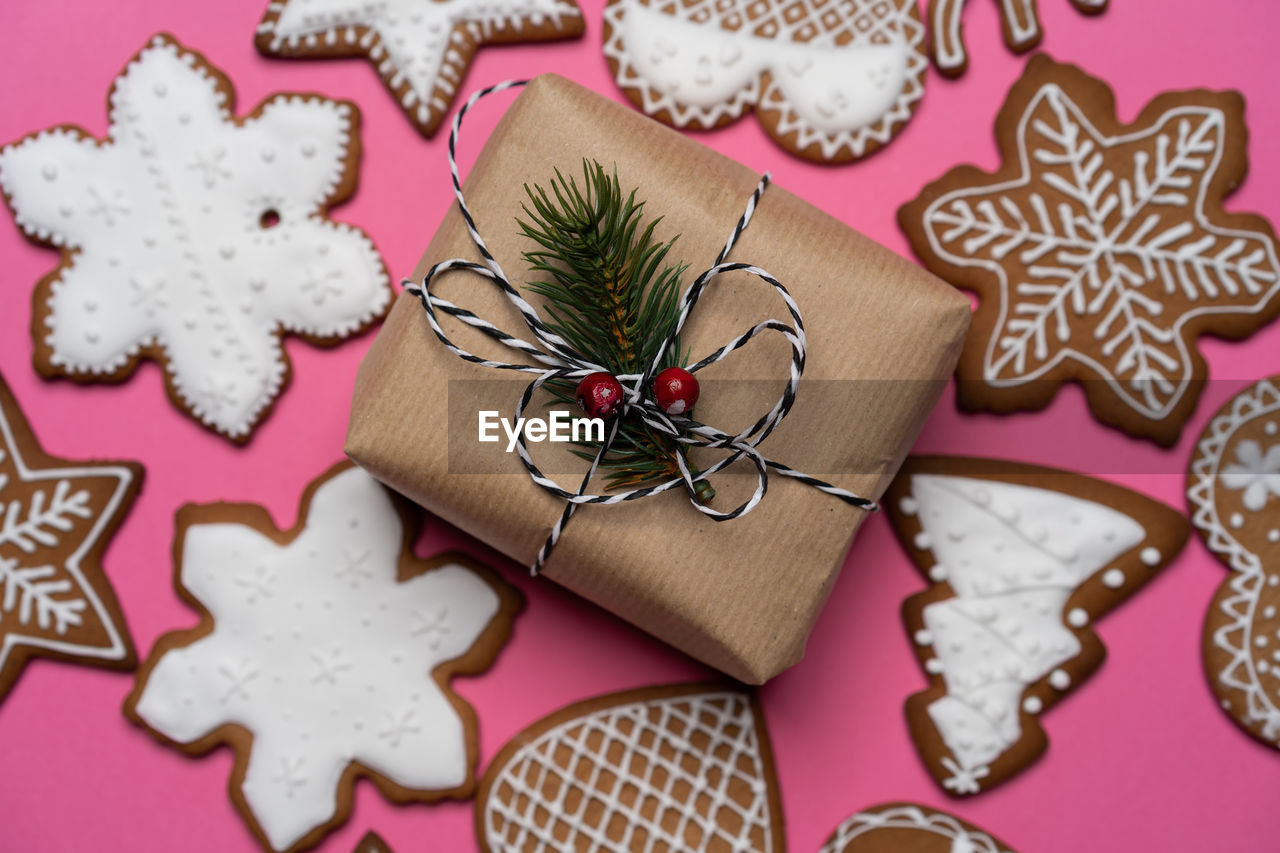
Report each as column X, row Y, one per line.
column 883, row 337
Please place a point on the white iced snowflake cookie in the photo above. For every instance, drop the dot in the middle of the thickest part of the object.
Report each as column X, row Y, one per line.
column 1022, row 561
column 56, row 519
column 194, row 237
column 830, row 82
column 421, row 48
column 1100, row 251
column 1233, row 489
column 684, row 768
column 324, row 653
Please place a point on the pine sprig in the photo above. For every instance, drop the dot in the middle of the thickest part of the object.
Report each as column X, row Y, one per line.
column 610, row 293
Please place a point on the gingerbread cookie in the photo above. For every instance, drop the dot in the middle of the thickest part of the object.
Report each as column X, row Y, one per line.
column 1022, row 561
column 909, row 828
column 323, row 653
column 1233, row 488
column 195, row 238
column 667, row 768
column 1100, row 251
column 422, row 48
column 372, row 843
column 56, row 518
column 829, row 82
column 1019, row 22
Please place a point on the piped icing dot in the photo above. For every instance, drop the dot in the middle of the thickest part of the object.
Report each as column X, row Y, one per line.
column 1150, row 556
column 1077, row 617
column 1059, row 680
column 1032, row 705
column 923, row 638
column 908, row 506
column 923, row 541
column 1113, row 578
column 1237, row 520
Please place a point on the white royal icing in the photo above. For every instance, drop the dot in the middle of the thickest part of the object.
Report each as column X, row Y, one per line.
column 1019, row 18
column 910, row 817
column 1242, row 634
column 844, row 77
column 322, row 655
column 413, row 42
column 165, row 222
column 623, row 742
column 1095, row 257
column 40, row 601
column 1014, row 556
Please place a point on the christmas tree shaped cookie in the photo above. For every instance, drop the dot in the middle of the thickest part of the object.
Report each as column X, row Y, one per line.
column 1233, row 488
column 194, row 237
column 56, row 518
column 684, row 768
column 323, row 654
column 1022, row 561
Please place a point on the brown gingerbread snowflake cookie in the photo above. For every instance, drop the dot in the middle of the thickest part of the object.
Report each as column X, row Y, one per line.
column 830, row 82
column 195, row 238
column 1100, row 251
column 1233, row 488
column 56, row 518
column 1022, row 560
column 421, row 48
column 324, row 653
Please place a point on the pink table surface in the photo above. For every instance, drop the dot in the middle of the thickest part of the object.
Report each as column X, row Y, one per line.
column 1140, row 756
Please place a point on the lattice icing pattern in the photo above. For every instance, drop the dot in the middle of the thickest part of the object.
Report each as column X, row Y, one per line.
column 323, row 654
column 421, row 48
column 1100, row 251
column 687, row 771
column 842, row 77
column 1234, row 496
column 194, row 237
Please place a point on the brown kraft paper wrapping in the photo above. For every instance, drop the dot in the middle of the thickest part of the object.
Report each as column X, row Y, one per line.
column 741, row 595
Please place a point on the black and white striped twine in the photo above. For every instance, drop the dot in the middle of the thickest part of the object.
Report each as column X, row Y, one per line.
column 559, row 360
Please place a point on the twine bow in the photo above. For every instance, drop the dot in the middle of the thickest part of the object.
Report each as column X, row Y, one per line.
column 556, row 359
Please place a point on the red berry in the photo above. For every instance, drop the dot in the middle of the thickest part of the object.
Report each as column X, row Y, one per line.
column 676, row 391
column 600, row 395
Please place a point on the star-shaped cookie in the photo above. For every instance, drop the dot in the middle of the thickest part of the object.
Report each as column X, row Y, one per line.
column 421, row 48
column 1100, row 251
column 56, row 518
column 323, row 654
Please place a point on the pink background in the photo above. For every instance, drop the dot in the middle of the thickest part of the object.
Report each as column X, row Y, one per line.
column 1140, row 756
